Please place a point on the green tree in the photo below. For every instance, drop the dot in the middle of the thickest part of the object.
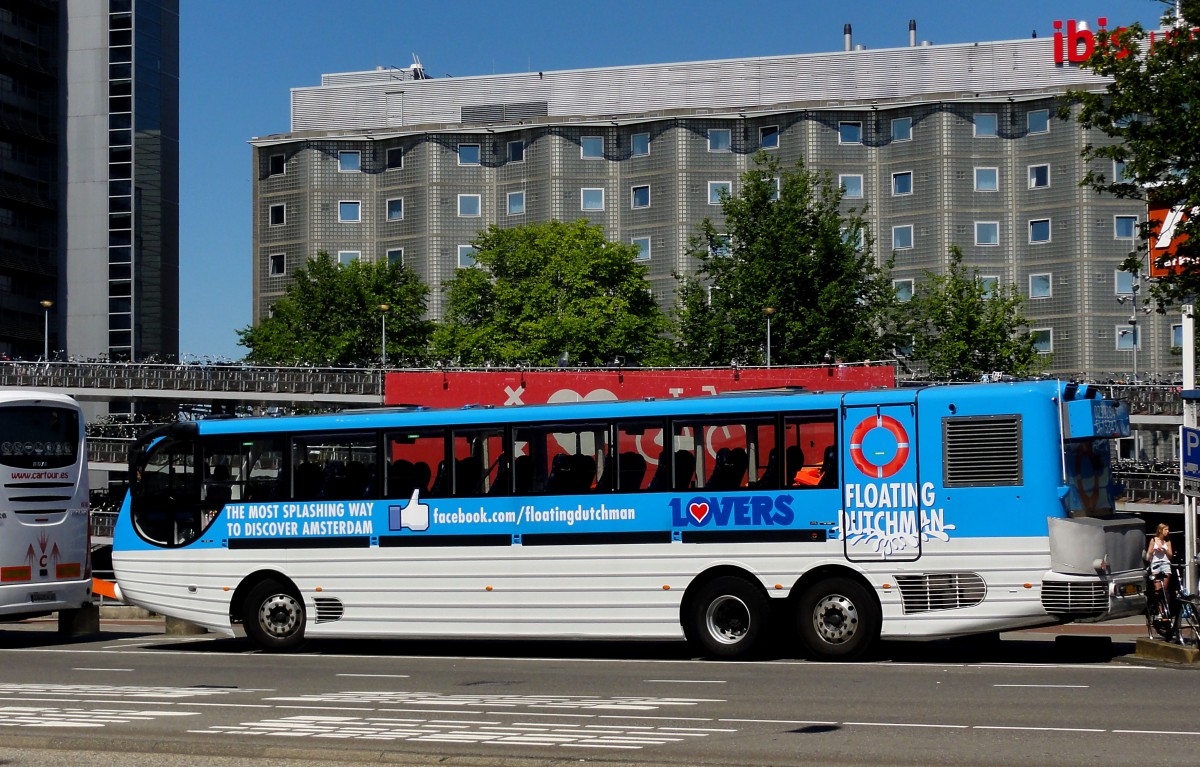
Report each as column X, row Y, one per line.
column 331, row 315
column 1147, row 112
column 540, row 291
column 962, row 328
column 785, row 246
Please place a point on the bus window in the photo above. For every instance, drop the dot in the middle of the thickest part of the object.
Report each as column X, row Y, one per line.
column 566, row 458
column 810, row 450
column 239, row 470
column 479, row 462
column 411, row 457
column 728, row 453
column 639, row 448
column 332, row 468
column 167, row 504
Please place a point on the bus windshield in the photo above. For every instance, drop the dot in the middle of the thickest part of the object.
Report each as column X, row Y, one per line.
column 38, row 437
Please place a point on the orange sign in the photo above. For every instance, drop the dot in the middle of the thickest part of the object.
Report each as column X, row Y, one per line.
column 1165, row 241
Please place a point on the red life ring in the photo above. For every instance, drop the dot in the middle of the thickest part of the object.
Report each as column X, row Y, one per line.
column 873, row 470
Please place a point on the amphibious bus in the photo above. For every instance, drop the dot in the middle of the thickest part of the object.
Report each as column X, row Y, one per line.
column 831, row 519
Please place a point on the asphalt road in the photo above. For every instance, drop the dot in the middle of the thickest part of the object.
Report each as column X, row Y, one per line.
column 132, row 696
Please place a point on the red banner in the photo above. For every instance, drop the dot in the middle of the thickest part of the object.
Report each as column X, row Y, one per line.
column 515, row 387
column 1164, row 241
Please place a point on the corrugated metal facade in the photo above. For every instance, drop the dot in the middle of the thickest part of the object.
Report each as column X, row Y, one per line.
column 408, row 134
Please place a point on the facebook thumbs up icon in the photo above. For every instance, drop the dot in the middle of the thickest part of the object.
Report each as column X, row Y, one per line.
column 414, row 515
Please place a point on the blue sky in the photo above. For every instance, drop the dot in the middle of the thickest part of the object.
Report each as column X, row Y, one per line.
column 240, row 58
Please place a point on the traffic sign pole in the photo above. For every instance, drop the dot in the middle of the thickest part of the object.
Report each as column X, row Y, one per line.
column 1189, row 422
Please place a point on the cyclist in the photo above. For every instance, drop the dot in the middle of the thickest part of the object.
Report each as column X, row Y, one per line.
column 1159, row 554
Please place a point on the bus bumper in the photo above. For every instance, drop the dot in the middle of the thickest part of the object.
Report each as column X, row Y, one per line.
column 1091, row 598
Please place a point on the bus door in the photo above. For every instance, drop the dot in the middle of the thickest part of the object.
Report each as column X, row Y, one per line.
column 881, row 510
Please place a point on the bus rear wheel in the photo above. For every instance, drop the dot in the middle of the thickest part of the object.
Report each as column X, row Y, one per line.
column 838, row 619
column 274, row 616
column 727, row 618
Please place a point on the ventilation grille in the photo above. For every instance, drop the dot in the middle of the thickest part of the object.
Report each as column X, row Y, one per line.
column 982, row 451
column 926, row 592
column 1074, row 598
column 499, row 113
column 329, row 609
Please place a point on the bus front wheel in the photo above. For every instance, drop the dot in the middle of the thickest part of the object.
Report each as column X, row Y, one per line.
column 838, row 619
column 274, row 616
column 727, row 617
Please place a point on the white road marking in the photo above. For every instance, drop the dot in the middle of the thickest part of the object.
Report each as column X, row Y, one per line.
column 1049, row 686
column 80, row 668
column 685, row 681
column 378, row 676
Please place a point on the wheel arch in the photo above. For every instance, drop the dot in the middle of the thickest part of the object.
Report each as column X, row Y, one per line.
column 237, row 603
column 826, row 571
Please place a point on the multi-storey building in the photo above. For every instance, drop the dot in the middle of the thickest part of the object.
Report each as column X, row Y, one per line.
column 89, row 179
column 941, row 145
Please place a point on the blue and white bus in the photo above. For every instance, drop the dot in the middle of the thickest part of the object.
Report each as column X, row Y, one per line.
column 834, row 518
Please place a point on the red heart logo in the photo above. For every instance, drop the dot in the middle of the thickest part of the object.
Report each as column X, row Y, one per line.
column 698, row 511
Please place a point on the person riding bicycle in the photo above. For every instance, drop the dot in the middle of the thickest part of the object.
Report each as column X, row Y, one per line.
column 1159, row 554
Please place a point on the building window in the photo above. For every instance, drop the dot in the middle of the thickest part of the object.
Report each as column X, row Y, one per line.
column 278, row 214
column 852, row 186
column 591, row 147
column 349, row 211
column 860, row 243
column 1043, row 340
column 639, row 197
column 394, row 158
column 643, row 246
column 1177, row 336
column 347, row 257
column 516, row 151
column 1039, row 176
column 395, row 209
column 1039, row 230
column 768, row 137
column 1040, row 286
column 719, row 190
column 990, row 285
column 591, row 199
column 470, row 205
column 902, row 237
column 903, row 289
column 278, row 264
column 774, row 189
column 987, row 232
column 719, row 140
column 1123, row 282
column 516, row 203
column 1127, row 338
column 902, row 183
column 468, row 154
column 1120, row 173
column 395, row 256
column 987, row 179
column 278, row 164
column 1125, row 227
column 902, row 129
column 1038, row 121
column 349, row 161
column 720, row 246
column 466, row 256
column 639, row 145
column 850, row 133
column 986, row 125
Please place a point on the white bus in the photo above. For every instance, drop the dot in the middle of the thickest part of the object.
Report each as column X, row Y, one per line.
column 45, row 557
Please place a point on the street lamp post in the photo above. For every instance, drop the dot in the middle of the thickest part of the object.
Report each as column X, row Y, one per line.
column 383, row 312
column 770, row 310
column 46, row 304
column 1132, row 332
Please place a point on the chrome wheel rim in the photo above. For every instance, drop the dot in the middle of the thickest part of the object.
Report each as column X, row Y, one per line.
column 727, row 619
column 835, row 619
column 280, row 615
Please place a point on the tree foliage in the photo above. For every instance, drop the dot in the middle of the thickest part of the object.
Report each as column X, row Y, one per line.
column 542, row 291
column 1149, row 114
column 962, row 328
column 331, row 315
column 785, row 246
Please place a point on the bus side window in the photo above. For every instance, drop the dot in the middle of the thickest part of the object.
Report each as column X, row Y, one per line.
column 810, row 452
column 639, row 452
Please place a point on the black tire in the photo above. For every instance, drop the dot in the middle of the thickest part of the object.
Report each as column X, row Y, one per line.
column 274, row 617
column 838, row 619
column 727, row 618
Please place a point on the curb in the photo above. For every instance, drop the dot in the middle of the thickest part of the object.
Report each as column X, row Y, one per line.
column 1154, row 649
